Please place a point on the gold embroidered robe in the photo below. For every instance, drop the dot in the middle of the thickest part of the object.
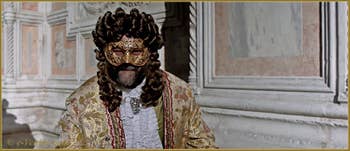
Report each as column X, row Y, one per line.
column 88, row 124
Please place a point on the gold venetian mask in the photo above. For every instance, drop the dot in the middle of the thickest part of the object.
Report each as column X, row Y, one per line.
column 127, row 50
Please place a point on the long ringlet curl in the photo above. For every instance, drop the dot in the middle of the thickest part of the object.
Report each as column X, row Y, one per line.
column 112, row 27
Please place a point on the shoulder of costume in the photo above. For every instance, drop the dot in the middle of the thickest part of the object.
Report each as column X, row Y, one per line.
column 180, row 89
column 85, row 92
column 174, row 80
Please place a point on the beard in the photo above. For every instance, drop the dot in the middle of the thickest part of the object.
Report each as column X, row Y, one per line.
column 126, row 75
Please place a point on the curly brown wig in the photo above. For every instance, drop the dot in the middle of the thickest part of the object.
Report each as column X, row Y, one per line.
column 111, row 28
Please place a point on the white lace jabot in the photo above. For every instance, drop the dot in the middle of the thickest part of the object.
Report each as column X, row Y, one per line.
column 141, row 129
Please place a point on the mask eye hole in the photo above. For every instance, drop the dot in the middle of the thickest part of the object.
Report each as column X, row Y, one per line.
column 136, row 52
column 118, row 52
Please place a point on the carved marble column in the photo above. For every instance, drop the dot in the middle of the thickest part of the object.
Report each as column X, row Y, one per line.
column 193, row 47
column 9, row 20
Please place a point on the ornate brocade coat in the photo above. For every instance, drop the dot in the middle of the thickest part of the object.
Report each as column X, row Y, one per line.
column 88, row 124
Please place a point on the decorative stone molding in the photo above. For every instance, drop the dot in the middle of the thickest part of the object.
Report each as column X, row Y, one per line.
column 10, row 5
column 88, row 9
column 57, row 17
column 342, row 56
column 93, row 9
column 134, row 4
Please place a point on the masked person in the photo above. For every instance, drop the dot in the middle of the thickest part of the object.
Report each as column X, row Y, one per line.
column 132, row 103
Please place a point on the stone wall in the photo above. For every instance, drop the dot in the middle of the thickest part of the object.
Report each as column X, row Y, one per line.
column 272, row 75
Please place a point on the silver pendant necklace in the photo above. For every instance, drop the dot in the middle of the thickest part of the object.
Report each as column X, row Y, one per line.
column 135, row 105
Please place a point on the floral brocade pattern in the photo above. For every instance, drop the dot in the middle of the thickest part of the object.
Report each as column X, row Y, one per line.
column 85, row 124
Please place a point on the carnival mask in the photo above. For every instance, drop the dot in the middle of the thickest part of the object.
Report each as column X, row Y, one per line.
column 127, row 50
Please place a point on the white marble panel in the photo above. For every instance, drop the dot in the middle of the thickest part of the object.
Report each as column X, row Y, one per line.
column 265, row 29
